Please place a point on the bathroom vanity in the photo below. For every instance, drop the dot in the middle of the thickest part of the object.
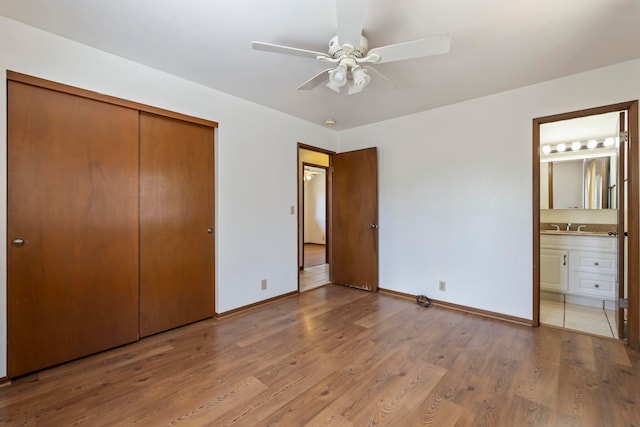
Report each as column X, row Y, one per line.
column 580, row 265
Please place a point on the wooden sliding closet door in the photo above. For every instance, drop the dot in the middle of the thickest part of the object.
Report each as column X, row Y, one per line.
column 176, row 223
column 72, row 211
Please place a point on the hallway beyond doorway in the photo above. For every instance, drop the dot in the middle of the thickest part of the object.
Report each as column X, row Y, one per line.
column 314, row 254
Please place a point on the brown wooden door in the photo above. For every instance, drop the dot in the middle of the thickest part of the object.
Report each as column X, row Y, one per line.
column 355, row 219
column 176, row 211
column 73, row 199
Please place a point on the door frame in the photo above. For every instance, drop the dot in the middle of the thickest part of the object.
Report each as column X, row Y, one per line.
column 633, row 222
column 328, row 204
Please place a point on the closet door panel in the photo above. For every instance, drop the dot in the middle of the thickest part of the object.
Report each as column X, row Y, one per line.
column 73, row 200
column 176, row 213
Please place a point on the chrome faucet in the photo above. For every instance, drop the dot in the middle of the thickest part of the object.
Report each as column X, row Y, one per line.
column 568, row 226
column 556, row 226
column 580, row 227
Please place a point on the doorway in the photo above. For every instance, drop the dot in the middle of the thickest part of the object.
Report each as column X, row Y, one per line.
column 313, row 218
column 315, row 259
column 351, row 221
column 582, row 279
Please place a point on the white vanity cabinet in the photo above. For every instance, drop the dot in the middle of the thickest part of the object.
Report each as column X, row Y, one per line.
column 591, row 265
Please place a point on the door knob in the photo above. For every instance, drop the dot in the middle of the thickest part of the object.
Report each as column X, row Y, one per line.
column 17, row 242
column 210, row 230
column 373, row 226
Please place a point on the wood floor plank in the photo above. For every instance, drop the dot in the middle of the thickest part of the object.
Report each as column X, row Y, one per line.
column 433, row 413
column 384, row 309
column 343, row 357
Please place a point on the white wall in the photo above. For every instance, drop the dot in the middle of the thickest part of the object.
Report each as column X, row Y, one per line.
column 455, row 189
column 315, row 208
column 256, row 234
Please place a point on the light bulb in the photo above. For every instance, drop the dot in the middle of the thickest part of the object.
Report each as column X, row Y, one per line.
column 561, row 147
column 575, row 146
column 609, row 142
column 360, row 77
column 592, row 144
column 546, row 149
column 338, row 76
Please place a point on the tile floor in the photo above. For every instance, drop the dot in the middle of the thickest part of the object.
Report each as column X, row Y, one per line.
column 578, row 317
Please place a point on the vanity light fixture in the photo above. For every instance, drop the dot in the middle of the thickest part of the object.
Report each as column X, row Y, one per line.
column 580, row 145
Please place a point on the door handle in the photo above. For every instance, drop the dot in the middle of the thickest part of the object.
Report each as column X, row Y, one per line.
column 210, row 230
column 373, row 226
column 564, row 260
column 17, row 242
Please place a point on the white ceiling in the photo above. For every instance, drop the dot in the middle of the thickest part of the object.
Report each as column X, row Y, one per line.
column 497, row 45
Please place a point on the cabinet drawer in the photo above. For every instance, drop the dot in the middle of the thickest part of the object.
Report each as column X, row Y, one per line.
column 600, row 285
column 594, row 262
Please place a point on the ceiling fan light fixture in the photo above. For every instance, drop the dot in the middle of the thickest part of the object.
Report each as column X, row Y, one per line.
column 360, row 77
column 359, row 80
column 338, row 76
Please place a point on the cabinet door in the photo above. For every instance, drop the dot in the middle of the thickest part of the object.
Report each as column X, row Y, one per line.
column 553, row 270
column 73, row 201
column 176, row 213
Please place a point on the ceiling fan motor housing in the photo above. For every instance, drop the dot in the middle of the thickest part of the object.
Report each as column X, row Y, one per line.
column 336, row 50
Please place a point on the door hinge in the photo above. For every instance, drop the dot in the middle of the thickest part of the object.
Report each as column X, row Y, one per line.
column 624, row 303
column 624, row 137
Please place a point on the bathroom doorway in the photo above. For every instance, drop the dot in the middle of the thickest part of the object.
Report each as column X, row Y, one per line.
column 585, row 179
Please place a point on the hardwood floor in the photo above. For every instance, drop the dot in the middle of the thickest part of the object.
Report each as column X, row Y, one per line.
column 314, row 254
column 344, row 357
column 316, row 270
column 313, row 277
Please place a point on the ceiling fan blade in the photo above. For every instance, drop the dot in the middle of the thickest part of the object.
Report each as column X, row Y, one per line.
column 350, row 14
column 382, row 76
column 316, row 80
column 268, row 47
column 413, row 49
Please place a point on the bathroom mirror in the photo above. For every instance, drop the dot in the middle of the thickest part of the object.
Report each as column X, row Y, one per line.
column 579, row 183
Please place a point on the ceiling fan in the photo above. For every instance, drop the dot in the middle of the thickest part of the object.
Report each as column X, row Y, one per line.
column 349, row 50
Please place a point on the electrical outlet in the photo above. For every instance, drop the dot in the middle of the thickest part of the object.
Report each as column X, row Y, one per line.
column 263, row 284
column 442, row 285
